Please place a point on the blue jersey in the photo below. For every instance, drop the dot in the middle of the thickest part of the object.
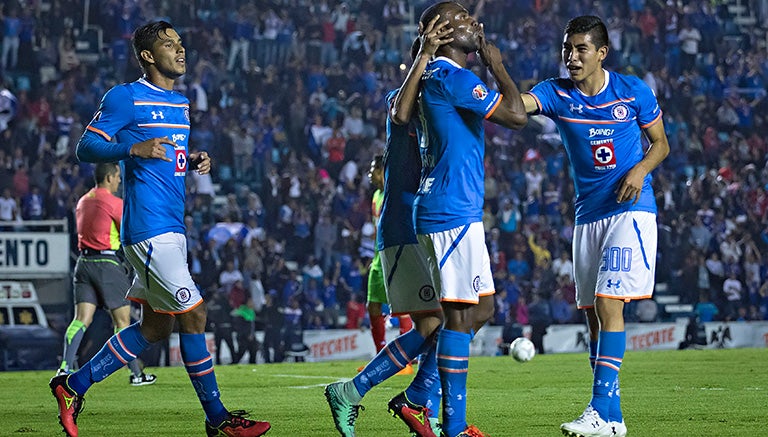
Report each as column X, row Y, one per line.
column 602, row 136
column 154, row 190
column 453, row 104
column 402, row 171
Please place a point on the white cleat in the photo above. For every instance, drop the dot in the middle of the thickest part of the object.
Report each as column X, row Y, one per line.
column 619, row 428
column 589, row 424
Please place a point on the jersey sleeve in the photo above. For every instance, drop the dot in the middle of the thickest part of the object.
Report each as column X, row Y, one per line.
column 390, row 98
column 544, row 95
column 115, row 112
column 648, row 110
column 465, row 90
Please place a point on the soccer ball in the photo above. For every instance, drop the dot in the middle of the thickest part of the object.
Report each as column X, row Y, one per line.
column 522, row 349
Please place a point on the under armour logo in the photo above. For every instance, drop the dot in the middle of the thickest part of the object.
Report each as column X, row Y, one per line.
column 615, row 285
column 156, row 115
column 579, row 108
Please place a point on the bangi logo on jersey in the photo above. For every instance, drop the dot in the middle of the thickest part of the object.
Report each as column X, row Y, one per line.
column 181, row 162
column 479, row 92
column 603, row 154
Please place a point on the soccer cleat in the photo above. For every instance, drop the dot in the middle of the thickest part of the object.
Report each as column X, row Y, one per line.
column 236, row 425
column 619, row 428
column 437, row 427
column 472, row 431
column 415, row 416
column 70, row 403
column 407, row 370
column 344, row 414
column 143, row 379
column 589, row 424
column 61, row 372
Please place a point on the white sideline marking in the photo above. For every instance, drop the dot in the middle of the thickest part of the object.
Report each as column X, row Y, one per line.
column 304, row 387
column 306, row 376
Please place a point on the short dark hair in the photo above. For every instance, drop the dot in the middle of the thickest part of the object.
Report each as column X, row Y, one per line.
column 378, row 160
column 104, row 169
column 145, row 36
column 415, row 47
column 434, row 10
column 589, row 24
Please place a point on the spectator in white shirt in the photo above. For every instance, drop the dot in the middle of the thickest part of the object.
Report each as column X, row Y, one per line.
column 229, row 276
column 563, row 266
column 9, row 206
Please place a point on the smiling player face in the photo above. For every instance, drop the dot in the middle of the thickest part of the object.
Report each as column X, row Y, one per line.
column 581, row 57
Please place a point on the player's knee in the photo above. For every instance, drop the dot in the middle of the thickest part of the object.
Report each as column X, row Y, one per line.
column 193, row 322
column 427, row 325
column 483, row 312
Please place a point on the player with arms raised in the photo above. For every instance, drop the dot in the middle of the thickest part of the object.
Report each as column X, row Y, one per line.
column 406, row 274
column 448, row 208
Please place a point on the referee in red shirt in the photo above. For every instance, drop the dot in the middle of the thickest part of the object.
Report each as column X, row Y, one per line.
column 101, row 278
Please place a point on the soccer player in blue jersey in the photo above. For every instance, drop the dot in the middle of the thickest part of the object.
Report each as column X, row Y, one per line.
column 377, row 295
column 602, row 116
column 145, row 126
column 407, row 280
column 448, row 207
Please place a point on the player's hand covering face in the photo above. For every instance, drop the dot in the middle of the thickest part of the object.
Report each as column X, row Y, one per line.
column 434, row 35
column 488, row 52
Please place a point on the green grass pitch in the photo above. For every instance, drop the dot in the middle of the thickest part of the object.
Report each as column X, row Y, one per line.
column 667, row 393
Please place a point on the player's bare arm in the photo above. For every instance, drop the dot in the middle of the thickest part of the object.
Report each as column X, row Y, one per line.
column 431, row 38
column 631, row 184
column 511, row 112
column 200, row 162
column 153, row 148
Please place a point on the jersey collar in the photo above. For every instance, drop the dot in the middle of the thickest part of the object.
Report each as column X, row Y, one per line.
column 604, row 87
column 446, row 59
column 145, row 82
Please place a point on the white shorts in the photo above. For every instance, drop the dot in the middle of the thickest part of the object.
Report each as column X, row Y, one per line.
column 162, row 275
column 459, row 263
column 407, row 280
column 615, row 257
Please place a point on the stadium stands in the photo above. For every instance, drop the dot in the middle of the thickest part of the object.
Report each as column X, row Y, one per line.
column 295, row 117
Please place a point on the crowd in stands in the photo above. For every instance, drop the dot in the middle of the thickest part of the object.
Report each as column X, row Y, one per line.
column 288, row 98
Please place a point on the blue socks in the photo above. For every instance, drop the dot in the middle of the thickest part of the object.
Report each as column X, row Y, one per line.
column 395, row 355
column 120, row 349
column 453, row 365
column 614, row 413
column 199, row 366
column 425, row 388
column 610, row 354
